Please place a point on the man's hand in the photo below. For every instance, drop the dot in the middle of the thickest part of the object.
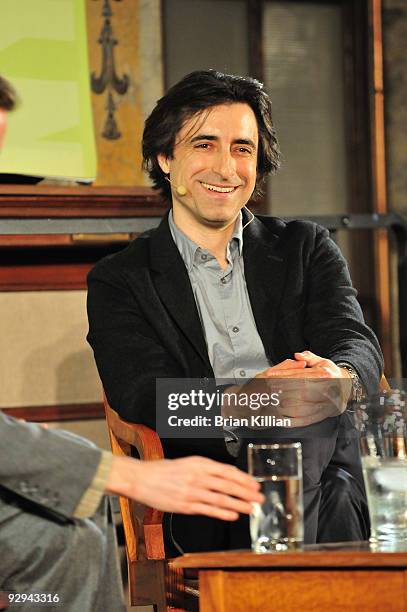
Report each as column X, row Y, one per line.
column 287, row 367
column 307, row 402
column 191, row 485
column 257, row 386
column 312, row 389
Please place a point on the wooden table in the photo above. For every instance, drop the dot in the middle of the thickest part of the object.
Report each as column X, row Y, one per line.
column 334, row 577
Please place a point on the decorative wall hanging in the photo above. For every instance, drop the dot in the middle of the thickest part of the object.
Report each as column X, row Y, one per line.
column 113, row 39
column 108, row 79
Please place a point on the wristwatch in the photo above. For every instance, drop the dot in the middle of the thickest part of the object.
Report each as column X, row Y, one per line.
column 357, row 388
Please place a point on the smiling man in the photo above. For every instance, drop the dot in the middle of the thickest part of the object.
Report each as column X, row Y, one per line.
column 56, row 533
column 215, row 159
column 215, row 293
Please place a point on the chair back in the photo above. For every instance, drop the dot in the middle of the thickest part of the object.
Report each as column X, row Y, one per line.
column 142, row 525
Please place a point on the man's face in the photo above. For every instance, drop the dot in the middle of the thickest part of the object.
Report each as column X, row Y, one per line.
column 3, row 125
column 215, row 158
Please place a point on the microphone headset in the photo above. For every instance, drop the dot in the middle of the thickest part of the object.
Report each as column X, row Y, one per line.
column 180, row 189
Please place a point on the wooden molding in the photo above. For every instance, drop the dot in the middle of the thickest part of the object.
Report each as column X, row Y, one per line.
column 63, row 412
column 39, row 201
column 45, row 277
column 62, row 261
column 33, row 240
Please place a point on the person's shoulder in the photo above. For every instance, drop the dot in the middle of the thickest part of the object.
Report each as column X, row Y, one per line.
column 300, row 229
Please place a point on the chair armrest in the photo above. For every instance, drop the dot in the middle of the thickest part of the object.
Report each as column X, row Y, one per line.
column 144, row 439
column 123, row 436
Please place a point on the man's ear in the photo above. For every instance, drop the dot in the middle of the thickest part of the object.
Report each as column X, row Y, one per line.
column 163, row 163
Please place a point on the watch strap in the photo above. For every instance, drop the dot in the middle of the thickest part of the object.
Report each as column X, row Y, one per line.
column 357, row 388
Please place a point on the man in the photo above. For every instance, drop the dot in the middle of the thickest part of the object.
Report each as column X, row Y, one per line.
column 214, row 292
column 56, row 536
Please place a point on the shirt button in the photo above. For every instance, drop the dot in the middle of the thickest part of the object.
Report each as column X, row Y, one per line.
column 242, row 372
column 204, row 257
column 235, row 329
column 223, row 281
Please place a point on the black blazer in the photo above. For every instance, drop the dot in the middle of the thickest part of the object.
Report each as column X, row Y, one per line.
column 144, row 324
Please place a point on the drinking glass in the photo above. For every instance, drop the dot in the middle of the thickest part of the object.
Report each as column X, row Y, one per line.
column 381, row 421
column 277, row 523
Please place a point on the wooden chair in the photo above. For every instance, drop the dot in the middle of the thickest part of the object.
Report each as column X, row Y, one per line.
column 152, row 580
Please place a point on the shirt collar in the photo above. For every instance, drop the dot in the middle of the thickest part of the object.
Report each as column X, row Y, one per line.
column 238, row 233
column 188, row 248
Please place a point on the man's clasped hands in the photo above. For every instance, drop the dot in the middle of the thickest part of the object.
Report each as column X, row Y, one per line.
column 311, row 389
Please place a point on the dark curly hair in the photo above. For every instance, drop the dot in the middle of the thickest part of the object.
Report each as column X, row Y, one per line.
column 8, row 97
column 196, row 92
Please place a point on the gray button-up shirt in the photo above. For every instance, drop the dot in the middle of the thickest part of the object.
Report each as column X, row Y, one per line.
column 234, row 346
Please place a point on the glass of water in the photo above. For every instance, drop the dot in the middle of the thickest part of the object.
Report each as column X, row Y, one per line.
column 381, row 420
column 277, row 523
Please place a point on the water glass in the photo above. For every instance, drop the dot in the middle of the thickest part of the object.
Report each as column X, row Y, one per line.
column 277, row 523
column 381, row 421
